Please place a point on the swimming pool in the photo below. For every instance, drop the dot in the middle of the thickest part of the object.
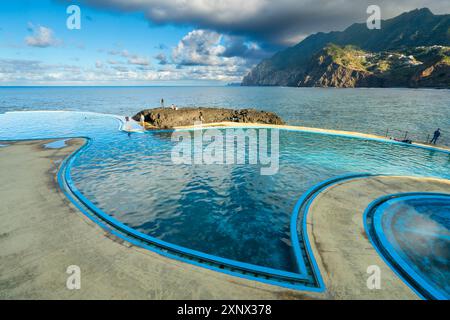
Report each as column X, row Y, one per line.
column 229, row 212
column 412, row 231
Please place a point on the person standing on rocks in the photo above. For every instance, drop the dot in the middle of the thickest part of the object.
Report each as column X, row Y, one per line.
column 162, row 102
column 127, row 124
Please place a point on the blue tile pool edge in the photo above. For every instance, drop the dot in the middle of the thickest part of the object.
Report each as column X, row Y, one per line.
column 312, row 131
column 304, row 202
column 379, row 241
column 300, row 215
column 169, row 246
column 263, row 274
column 161, row 247
column 134, row 237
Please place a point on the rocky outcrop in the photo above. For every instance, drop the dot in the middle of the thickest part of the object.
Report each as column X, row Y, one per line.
column 334, row 76
column 434, row 76
column 326, row 72
column 265, row 74
column 168, row 118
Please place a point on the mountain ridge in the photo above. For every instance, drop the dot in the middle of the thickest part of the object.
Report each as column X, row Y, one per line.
column 413, row 29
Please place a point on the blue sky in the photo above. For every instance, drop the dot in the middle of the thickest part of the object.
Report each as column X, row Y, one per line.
column 99, row 37
column 157, row 42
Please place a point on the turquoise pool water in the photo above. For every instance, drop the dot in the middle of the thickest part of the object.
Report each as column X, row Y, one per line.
column 231, row 211
column 414, row 233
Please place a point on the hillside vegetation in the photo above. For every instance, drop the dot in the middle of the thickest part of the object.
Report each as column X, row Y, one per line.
column 411, row 50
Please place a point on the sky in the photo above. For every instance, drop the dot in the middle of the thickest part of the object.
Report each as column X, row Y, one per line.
column 165, row 42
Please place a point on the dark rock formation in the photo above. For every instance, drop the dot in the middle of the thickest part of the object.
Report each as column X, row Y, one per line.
column 436, row 75
column 168, row 118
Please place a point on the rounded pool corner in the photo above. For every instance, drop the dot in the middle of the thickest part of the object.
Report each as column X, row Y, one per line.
column 395, row 244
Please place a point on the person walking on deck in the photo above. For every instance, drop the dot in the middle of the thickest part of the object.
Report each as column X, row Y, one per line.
column 436, row 136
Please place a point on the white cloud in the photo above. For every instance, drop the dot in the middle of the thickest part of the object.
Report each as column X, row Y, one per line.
column 131, row 58
column 203, row 55
column 162, row 58
column 138, row 60
column 199, row 55
column 42, row 37
column 199, row 47
column 209, row 48
column 17, row 71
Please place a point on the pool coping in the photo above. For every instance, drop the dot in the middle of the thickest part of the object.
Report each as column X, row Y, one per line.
column 283, row 278
column 98, row 216
column 378, row 239
column 300, row 210
column 263, row 274
column 168, row 249
column 331, row 132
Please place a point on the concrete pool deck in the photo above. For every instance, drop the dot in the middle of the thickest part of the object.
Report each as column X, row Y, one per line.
column 339, row 241
column 42, row 233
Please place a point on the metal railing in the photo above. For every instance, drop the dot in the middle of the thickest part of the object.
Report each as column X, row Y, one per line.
column 408, row 135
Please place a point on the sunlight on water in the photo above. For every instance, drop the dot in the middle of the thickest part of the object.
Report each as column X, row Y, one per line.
column 419, row 232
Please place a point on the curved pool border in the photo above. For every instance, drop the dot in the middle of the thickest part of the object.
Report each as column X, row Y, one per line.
column 289, row 128
column 377, row 237
column 268, row 275
column 307, row 279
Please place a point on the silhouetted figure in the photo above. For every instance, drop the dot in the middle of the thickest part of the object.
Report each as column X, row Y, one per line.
column 436, row 135
column 127, row 123
column 162, row 103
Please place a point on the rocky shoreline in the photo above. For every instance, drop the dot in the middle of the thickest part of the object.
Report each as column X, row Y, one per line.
column 166, row 118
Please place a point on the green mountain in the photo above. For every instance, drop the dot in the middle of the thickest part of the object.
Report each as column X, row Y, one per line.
column 410, row 50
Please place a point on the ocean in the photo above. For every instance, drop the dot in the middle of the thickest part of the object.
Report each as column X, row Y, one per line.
column 398, row 112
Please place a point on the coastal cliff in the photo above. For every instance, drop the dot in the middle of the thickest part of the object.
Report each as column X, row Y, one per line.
column 168, row 118
column 349, row 67
column 411, row 50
